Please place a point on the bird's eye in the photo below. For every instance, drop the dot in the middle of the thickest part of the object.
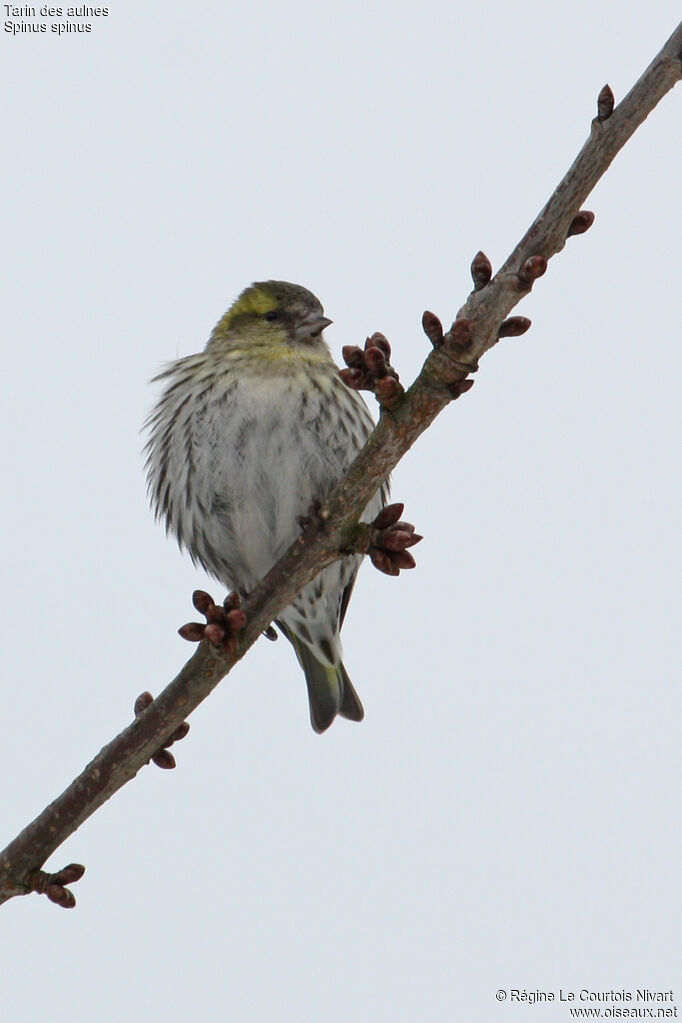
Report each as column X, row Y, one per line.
column 272, row 315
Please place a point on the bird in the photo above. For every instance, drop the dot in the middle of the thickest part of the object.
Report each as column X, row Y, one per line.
column 249, row 435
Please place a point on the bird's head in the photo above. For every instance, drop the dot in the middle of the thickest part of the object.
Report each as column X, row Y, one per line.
column 273, row 313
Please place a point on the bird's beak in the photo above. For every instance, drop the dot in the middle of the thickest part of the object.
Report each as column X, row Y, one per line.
column 311, row 327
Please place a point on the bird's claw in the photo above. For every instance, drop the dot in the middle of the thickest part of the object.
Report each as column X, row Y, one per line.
column 316, row 518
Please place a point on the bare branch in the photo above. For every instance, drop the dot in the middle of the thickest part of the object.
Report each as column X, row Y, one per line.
column 480, row 323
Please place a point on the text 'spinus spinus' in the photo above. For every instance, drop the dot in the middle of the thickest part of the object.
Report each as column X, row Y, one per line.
column 246, row 437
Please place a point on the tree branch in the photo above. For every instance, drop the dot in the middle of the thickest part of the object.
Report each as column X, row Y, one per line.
column 479, row 325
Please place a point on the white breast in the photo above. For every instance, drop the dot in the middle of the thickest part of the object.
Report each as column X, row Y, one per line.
column 260, row 452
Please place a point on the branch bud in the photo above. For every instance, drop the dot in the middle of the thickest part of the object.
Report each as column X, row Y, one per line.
column 352, row 356
column 581, row 222
column 381, row 560
column 180, row 732
column 61, row 896
column 460, row 332
column 378, row 340
column 375, row 361
column 397, row 540
column 213, row 633
column 515, row 326
column 433, row 328
column 143, row 701
column 236, row 619
column 193, row 632
column 202, row 601
column 530, row 271
column 389, row 392
column 357, row 379
column 388, row 516
column 481, row 270
column 69, row 874
column 605, row 104
column 403, row 559
column 460, row 387
column 164, row 758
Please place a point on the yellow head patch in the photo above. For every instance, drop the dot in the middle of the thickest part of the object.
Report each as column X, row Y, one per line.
column 253, row 302
column 291, row 302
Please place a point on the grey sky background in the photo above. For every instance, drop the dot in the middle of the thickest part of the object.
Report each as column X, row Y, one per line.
column 508, row 814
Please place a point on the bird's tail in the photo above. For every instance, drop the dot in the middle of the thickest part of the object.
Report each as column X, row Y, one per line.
column 330, row 691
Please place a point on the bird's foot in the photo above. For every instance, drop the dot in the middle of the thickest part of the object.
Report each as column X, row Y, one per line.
column 163, row 757
column 371, row 370
column 223, row 621
column 315, row 519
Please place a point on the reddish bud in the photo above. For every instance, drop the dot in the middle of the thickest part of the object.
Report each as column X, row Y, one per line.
column 52, row 885
column 202, row 601
column 164, row 758
column 388, row 391
column 481, row 270
column 69, row 874
column 403, row 559
column 460, row 332
column 388, row 516
column 231, row 601
column 515, row 326
column 530, row 271
column 605, row 103
column 236, row 619
column 381, row 560
column 355, row 378
column 581, row 222
column 181, row 731
column 214, row 634
column 215, row 615
column 433, row 328
column 61, row 896
column 143, row 701
column 375, row 361
column 352, row 356
column 396, row 540
column 377, row 340
column 192, row 631
column 460, row 387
